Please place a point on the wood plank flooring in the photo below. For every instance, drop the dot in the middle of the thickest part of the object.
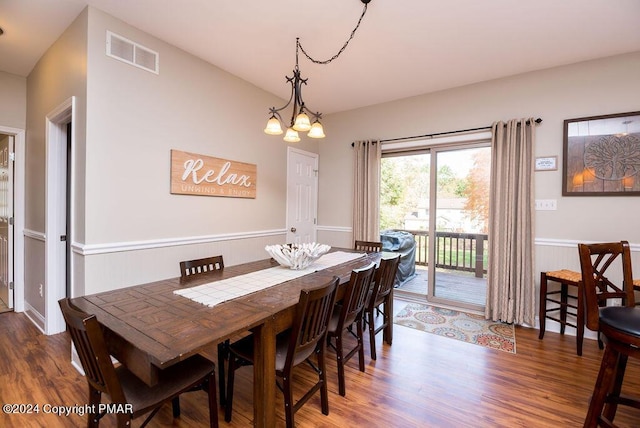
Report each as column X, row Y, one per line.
column 423, row 380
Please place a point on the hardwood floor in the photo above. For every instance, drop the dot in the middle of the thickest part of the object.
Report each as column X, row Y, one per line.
column 423, row 380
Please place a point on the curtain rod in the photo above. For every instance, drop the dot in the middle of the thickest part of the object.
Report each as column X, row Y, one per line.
column 437, row 134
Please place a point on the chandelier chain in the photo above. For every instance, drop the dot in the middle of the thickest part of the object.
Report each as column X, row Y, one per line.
column 327, row 61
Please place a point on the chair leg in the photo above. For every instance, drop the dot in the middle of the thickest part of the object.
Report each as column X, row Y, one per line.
column 563, row 307
column 542, row 315
column 360, row 337
column 287, row 390
column 610, row 407
column 213, row 406
column 324, row 394
column 602, row 387
column 95, row 397
column 372, row 334
column 175, row 405
column 340, row 360
column 579, row 320
column 231, row 369
column 223, row 355
column 387, row 336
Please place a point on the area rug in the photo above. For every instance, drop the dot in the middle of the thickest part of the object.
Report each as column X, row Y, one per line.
column 462, row 326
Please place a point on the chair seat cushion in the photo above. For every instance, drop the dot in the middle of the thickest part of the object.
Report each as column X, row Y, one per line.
column 243, row 348
column 624, row 319
column 173, row 380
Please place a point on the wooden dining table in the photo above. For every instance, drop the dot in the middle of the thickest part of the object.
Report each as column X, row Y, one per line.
column 149, row 328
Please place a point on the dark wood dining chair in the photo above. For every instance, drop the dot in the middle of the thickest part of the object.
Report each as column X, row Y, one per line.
column 306, row 337
column 618, row 326
column 347, row 313
column 381, row 295
column 368, row 246
column 123, row 387
column 190, row 269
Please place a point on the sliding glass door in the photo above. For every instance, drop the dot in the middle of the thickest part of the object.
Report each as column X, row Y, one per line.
column 460, row 203
column 439, row 198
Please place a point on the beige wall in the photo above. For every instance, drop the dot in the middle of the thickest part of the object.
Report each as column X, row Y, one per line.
column 13, row 108
column 609, row 85
column 136, row 231
column 59, row 75
column 128, row 227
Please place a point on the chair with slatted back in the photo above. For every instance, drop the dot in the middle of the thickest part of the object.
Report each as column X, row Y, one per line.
column 191, row 268
column 368, row 246
column 381, row 295
column 347, row 313
column 619, row 326
column 121, row 386
column 306, row 337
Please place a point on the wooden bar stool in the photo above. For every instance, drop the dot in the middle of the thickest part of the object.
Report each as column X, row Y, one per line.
column 566, row 278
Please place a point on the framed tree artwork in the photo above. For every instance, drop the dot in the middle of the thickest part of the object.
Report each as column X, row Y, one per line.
column 602, row 155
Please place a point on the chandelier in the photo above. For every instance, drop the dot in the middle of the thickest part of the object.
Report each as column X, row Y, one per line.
column 300, row 120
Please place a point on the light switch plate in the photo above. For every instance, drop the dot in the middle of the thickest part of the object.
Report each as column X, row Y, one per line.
column 546, row 205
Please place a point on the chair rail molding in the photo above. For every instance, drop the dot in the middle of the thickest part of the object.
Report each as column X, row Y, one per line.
column 115, row 247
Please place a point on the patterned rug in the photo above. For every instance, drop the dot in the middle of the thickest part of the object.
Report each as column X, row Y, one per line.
column 458, row 325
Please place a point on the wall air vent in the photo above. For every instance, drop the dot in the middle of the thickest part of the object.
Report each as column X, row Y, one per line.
column 132, row 53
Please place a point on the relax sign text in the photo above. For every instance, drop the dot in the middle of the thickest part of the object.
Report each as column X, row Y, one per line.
column 193, row 174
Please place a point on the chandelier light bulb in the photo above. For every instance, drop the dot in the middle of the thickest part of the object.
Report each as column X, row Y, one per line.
column 316, row 131
column 291, row 136
column 273, row 127
column 303, row 124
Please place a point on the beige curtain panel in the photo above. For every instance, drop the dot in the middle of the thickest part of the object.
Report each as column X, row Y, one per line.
column 510, row 278
column 366, row 191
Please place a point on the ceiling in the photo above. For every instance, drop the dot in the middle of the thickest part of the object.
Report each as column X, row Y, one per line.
column 403, row 47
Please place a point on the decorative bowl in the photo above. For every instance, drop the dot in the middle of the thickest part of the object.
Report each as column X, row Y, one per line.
column 297, row 256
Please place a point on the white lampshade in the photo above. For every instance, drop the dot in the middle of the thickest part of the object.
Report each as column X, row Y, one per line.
column 273, row 127
column 316, row 131
column 291, row 136
column 302, row 123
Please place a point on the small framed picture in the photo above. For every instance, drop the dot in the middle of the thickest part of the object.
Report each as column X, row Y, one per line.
column 547, row 163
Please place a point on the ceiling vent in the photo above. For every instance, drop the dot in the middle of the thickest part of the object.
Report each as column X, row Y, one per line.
column 132, row 53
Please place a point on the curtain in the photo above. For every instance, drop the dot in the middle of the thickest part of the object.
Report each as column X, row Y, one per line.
column 366, row 191
column 510, row 278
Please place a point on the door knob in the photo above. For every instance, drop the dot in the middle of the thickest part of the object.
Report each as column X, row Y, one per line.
column 293, row 229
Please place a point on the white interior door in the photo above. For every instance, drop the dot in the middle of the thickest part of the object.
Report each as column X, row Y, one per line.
column 302, row 196
column 6, row 220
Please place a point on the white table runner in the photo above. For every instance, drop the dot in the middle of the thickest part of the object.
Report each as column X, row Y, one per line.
column 216, row 292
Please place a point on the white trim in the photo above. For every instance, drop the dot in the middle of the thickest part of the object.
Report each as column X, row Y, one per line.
column 335, row 229
column 115, row 247
column 548, row 242
column 36, row 317
column 19, row 148
column 39, row 236
column 54, row 266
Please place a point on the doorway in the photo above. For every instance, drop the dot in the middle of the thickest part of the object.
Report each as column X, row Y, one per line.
column 302, row 196
column 6, row 222
column 13, row 210
column 440, row 195
column 59, row 213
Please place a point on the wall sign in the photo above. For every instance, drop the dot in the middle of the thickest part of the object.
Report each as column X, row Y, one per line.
column 193, row 174
column 546, row 163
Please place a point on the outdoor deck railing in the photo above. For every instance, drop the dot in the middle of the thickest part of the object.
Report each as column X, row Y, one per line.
column 456, row 251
